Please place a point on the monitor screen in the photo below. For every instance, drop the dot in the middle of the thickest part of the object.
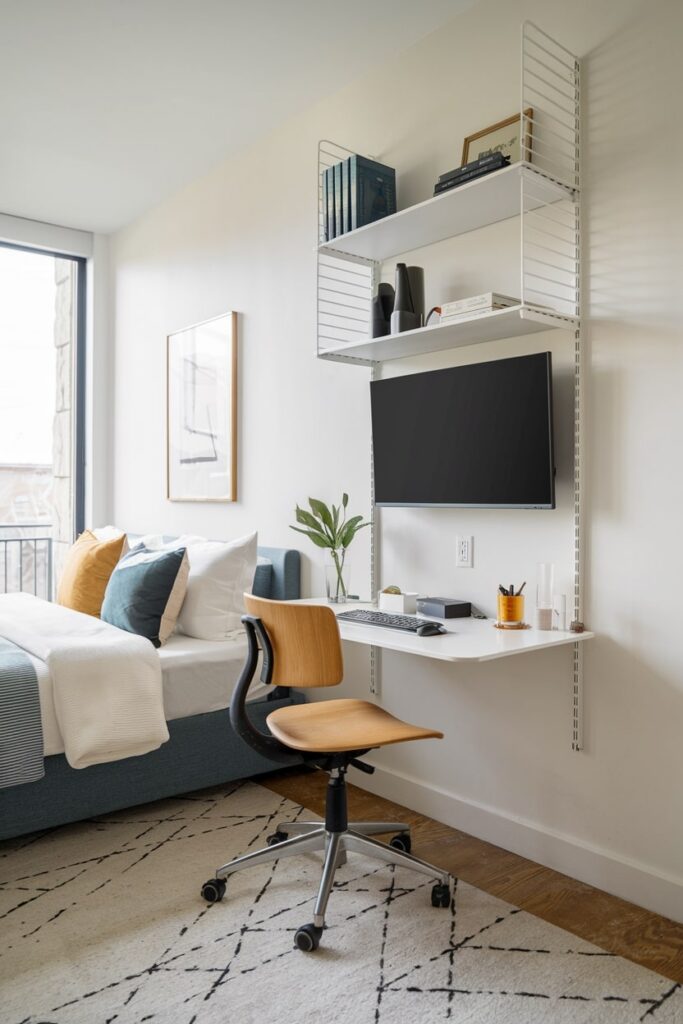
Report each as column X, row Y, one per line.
column 470, row 436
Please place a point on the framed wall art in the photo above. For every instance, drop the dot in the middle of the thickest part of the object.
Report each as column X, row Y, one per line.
column 503, row 137
column 201, row 411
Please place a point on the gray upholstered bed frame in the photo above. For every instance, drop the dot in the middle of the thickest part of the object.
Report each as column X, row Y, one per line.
column 202, row 751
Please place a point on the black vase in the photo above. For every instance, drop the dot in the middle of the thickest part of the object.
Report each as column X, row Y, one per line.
column 382, row 308
column 409, row 302
column 416, row 277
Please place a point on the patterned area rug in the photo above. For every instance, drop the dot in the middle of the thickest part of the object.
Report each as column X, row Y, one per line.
column 102, row 922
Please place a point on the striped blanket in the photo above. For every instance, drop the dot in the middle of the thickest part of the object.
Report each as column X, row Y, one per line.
column 21, row 732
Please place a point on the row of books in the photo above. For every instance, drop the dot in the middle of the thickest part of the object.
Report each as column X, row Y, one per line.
column 475, row 305
column 356, row 191
column 468, row 172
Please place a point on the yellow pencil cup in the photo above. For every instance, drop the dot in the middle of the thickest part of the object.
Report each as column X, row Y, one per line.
column 510, row 610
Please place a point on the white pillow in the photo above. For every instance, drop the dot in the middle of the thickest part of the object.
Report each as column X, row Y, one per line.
column 158, row 542
column 220, row 573
column 111, row 533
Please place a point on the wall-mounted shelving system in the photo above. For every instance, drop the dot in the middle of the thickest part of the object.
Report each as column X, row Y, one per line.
column 543, row 192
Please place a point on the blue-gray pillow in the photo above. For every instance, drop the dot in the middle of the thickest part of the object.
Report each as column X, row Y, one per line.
column 145, row 592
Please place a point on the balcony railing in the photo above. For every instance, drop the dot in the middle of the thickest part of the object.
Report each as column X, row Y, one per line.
column 26, row 559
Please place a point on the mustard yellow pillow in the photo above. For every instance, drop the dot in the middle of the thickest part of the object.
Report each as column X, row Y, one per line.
column 88, row 566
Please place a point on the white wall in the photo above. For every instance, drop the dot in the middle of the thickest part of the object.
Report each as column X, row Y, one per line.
column 243, row 238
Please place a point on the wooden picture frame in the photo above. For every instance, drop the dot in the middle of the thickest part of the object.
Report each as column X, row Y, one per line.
column 201, row 411
column 509, row 146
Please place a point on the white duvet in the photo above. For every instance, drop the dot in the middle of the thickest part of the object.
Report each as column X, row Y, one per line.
column 106, row 683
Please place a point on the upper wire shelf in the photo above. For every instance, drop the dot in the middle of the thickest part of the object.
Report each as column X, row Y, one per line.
column 541, row 190
column 474, row 205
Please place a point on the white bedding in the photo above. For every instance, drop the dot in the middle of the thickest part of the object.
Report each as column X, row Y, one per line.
column 197, row 676
column 200, row 675
column 105, row 684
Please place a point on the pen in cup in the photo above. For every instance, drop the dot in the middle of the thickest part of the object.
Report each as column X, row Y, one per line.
column 510, row 607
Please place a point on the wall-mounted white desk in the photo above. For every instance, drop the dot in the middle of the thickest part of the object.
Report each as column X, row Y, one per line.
column 466, row 639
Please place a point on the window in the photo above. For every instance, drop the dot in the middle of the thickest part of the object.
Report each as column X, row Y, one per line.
column 42, row 380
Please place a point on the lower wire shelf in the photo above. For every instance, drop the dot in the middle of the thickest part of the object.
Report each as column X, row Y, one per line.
column 512, row 322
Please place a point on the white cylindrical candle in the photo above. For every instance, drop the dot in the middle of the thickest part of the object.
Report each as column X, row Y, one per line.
column 544, row 618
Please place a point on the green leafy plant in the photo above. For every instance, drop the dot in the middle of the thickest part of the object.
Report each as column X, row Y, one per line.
column 328, row 527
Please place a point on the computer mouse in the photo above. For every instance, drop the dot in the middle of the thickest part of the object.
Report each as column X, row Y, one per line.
column 430, row 629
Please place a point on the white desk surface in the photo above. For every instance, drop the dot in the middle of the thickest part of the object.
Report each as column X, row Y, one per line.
column 466, row 640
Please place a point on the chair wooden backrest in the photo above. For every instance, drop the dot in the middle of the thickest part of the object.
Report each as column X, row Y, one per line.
column 305, row 640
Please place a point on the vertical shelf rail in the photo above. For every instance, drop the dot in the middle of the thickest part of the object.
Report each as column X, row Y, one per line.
column 579, row 502
column 551, row 248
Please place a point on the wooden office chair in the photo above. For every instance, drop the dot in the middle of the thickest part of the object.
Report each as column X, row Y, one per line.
column 301, row 647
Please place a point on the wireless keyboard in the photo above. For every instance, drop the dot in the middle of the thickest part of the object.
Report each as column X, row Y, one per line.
column 406, row 623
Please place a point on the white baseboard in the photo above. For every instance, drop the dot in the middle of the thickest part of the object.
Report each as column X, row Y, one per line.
column 636, row 882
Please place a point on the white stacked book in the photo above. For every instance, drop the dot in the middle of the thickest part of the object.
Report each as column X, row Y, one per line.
column 475, row 305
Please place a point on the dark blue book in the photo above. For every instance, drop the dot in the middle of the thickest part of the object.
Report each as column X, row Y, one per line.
column 329, row 177
column 373, row 191
column 346, row 195
column 326, row 226
column 338, row 214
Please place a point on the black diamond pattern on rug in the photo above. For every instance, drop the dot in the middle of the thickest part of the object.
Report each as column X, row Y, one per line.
column 102, row 922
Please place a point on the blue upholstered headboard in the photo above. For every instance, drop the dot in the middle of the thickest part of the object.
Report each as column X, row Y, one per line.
column 278, row 574
column 283, row 582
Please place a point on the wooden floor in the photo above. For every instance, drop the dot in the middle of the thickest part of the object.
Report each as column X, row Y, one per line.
column 611, row 923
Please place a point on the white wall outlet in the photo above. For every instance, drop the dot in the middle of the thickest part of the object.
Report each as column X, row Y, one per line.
column 464, row 552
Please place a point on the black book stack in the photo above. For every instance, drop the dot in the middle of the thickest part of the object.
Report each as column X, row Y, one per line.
column 468, row 172
column 356, row 191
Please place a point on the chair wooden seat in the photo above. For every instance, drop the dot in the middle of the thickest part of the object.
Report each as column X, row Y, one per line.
column 337, row 725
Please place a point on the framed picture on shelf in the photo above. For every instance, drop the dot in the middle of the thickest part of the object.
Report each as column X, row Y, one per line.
column 503, row 137
column 201, row 411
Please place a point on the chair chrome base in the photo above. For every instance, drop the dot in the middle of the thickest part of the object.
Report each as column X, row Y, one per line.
column 311, row 836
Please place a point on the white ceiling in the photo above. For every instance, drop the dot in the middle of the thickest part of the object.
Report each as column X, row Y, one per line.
column 107, row 106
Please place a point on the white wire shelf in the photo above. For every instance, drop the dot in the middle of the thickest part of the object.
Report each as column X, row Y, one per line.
column 476, row 204
column 513, row 322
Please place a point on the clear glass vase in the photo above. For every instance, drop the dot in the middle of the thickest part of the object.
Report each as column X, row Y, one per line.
column 337, row 575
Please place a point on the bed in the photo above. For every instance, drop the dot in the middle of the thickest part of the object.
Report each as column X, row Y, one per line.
column 198, row 679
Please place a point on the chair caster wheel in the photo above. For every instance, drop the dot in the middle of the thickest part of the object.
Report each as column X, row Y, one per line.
column 213, row 891
column 401, row 842
column 277, row 837
column 441, row 895
column 307, row 938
